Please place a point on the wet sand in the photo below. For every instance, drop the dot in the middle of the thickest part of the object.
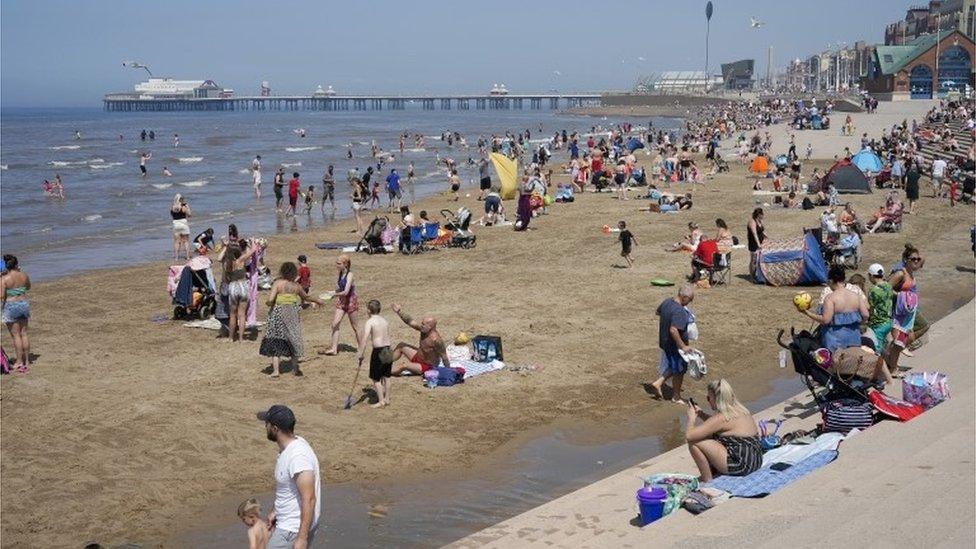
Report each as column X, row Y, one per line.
column 126, row 429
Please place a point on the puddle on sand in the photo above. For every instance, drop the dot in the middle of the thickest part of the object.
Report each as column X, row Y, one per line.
column 434, row 511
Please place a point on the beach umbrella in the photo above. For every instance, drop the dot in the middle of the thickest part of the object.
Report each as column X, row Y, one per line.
column 867, row 161
column 633, row 144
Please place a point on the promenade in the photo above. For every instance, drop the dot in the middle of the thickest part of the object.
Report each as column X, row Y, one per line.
column 827, row 143
column 895, row 484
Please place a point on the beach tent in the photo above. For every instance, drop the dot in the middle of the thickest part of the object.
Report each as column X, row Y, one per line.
column 791, row 262
column 848, row 179
column 633, row 144
column 759, row 165
column 867, row 161
column 507, row 171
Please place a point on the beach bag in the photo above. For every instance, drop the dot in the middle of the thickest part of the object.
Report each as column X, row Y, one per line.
column 487, row 348
column 695, row 360
column 678, row 486
column 692, row 330
column 449, row 376
column 769, row 440
column 925, row 388
column 4, row 362
column 893, row 407
column 843, row 414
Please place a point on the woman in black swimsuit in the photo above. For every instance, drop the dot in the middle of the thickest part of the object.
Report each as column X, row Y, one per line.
column 726, row 442
column 757, row 235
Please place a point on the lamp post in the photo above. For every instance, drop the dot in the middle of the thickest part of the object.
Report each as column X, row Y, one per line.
column 708, row 22
column 938, row 36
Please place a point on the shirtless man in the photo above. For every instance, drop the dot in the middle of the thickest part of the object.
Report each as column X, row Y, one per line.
column 377, row 332
column 429, row 354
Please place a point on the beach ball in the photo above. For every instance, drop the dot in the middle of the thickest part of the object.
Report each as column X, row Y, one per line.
column 802, row 301
column 547, row 200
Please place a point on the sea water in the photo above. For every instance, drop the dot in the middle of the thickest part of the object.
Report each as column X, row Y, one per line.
column 112, row 216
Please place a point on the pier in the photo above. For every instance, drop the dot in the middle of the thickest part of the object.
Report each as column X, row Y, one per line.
column 127, row 102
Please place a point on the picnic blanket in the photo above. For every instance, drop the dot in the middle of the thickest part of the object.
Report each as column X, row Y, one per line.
column 472, row 368
column 213, row 324
column 765, row 481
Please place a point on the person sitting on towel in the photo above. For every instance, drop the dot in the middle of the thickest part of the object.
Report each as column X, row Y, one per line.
column 431, row 351
column 726, row 442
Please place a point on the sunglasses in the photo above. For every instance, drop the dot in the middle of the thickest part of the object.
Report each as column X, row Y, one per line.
column 914, row 258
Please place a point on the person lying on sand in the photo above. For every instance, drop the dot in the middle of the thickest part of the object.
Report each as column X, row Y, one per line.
column 431, row 351
column 669, row 203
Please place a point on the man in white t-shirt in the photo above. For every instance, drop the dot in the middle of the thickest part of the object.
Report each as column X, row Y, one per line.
column 298, row 500
column 938, row 172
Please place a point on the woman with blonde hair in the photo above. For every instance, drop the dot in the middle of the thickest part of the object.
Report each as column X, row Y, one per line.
column 726, row 442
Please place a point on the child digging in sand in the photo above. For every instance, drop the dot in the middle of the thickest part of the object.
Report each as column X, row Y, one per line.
column 257, row 528
column 626, row 239
column 376, row 331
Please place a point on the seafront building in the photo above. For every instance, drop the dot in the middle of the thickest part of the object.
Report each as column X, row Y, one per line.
column 947, row 15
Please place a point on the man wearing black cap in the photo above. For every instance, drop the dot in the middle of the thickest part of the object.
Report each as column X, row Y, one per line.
column 295, row 516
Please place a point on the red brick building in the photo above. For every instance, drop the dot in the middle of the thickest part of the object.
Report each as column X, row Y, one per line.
column 922, row 68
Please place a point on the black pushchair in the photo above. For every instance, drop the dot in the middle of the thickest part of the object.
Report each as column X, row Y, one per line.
column 802, row 346
column 458, row 224
column 194, row 297
column 372, row 240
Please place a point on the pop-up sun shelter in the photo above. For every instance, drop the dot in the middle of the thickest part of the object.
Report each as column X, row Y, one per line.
column 848, row 178
column 791, row 262
column 867, row 161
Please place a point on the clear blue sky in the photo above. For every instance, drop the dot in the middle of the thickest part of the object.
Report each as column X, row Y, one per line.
column 69, row 52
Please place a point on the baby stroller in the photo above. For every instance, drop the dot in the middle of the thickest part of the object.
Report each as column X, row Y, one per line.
column 802, row 347
column 372, row 241
column 720, row 164
column 461, row 235
column 193, row 289
column 846, row 251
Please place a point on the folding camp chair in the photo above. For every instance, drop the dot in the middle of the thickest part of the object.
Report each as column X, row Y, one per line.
column 430, row 233
column 721, row 270
column 416, row 240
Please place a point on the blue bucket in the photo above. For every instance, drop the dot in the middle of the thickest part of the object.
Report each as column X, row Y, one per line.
column 651, row 500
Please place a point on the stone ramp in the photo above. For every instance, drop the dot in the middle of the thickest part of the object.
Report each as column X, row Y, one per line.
column 908, row 484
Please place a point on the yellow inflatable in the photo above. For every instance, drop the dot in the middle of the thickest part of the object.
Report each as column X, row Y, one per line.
column 507, row 170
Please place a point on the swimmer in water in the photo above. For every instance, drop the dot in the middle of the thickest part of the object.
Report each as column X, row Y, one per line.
column 166, row 172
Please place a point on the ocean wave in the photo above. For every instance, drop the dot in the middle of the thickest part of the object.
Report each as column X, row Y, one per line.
column 301, row 149
column 65, row 147
column 244, row 170
column 105, row 165
column 3, row 166
column 415, row 150
column 290, row 164
column 90, row 218
column 67, row 164
column 198, row 183
column 162, row 185
column 188, row 159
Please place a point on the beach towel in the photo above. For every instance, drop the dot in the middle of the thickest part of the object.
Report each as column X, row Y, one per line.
column 765, row 481
column 472, row 368
column 334, row 245
column 795, row 453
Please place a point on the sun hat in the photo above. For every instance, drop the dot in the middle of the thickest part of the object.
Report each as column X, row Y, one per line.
column 876, row 270
column 462, row 338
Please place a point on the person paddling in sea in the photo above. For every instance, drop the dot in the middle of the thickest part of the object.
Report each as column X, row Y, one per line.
column 346, row 303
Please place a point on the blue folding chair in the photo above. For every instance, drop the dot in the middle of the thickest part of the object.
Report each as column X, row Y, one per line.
column 416, row 240
column 430, row 233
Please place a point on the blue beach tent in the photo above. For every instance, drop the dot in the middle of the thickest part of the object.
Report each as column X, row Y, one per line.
column 867, row 161
column 791, row 262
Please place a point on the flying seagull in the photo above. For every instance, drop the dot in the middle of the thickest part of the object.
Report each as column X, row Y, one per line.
column 135, row 65
column 641, row 59
column 755, row 23
column 557, row 73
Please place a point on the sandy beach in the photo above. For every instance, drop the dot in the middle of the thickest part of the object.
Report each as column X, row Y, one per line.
column 125, row 428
